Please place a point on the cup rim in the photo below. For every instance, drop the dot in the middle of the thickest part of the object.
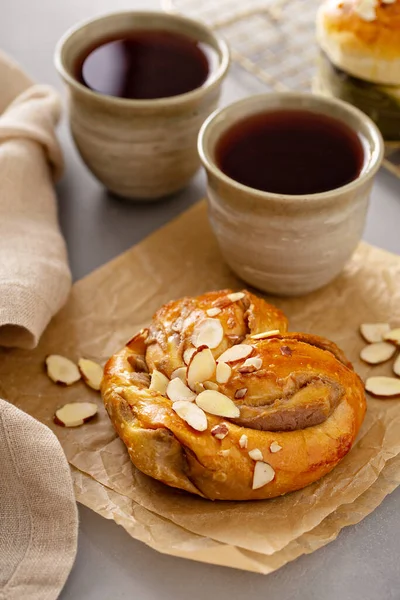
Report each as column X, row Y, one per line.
column 364, row 176
column 212, row 81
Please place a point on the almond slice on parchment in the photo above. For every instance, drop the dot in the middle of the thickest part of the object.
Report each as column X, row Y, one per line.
column 159, row 382
column 192, row 414
column 393, row 336
column 374, row 332
column 75, row 414
column 383, row 387
column 61, row 370
column 178, row 391
column 92, row 372
column 208, row 333
column 201, row 367
column 263, row 474
column 235, row 353
column 218, row 404
column 377, row 353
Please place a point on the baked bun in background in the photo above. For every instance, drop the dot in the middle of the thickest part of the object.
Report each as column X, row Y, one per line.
column 360, row 62
column 217, row 399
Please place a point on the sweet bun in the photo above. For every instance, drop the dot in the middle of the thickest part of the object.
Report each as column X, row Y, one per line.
column 362, row 37
column 281, row 411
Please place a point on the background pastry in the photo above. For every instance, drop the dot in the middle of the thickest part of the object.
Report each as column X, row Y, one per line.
column 217, row 399
column 360, row 60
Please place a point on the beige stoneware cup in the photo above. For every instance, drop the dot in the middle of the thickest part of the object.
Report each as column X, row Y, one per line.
column 142, row 149
column 283, row 244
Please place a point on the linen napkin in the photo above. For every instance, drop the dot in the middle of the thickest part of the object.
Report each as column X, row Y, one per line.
column 34, row 276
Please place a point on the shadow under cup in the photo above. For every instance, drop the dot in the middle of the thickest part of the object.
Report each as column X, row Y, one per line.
column 141, row 149
column 286, row 244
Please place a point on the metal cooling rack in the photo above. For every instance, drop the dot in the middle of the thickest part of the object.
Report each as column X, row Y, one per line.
column 272, row 39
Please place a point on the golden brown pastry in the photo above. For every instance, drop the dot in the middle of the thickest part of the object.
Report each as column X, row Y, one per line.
column 217, row 399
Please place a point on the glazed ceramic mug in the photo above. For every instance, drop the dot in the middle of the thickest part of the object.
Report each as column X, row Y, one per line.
column 286, row 244
column 142, row 149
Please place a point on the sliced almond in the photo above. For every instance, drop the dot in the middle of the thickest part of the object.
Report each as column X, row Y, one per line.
column 236, row 296
column 286, row 351
column 201, row 368
column 256, row 454
column 263, row 474
column 255, row 362
column 75, row 414
column 192, row 414
column 187, row 355
column 243, row 441
column 275, row 447
column 61, row 370
column 177, row 391
column 374, row 332
column 92, row 372
column 239, row 394
column 220, row 431
column 265, row 334
column 218, row 404
column 223, row 372
column 210, row 385
column 159, row 382
column 208, row 333
column 213, row 312
column 377, row 353
column 180, row 372
column 235, row 353
column 393, row 336
column 396, row 366
column 198, row 388
column 383, row 387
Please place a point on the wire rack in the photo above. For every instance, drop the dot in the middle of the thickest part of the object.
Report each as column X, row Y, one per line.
column 272, row 39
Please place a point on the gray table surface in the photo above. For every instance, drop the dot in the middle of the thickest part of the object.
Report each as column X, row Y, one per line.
column 363, row 563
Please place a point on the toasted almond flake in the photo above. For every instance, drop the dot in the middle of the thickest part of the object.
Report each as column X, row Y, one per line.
column 208, row 333
column 180, row 372
column 239, row 394
column 224, row 452
column 191, row 413
column 218, row 404
column 265, row 334
column 223, row 372
column 75, row 414
column 236, row 296
column 286, row 351
column 159, row 382
column 213, row 312
column 243, row 441
column 198, row 388
column 377, row 353
column 275, row 447
column 210, row 385
column 256, row 454
column 235, row 353
column 61, row 370
column 374, row 332
column 92, row 373
column 201, row 367
column 383, row 387
column 178, row 391
column 187, row 355
column 220, row 431
column 396, row 366
column 263, row 474
column 254, row 361
column 393, row 336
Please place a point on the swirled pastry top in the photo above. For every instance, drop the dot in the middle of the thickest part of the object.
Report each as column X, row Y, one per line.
column 216, row 398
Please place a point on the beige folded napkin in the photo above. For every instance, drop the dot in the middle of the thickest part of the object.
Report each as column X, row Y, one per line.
column 34, row 274
column 38, row 514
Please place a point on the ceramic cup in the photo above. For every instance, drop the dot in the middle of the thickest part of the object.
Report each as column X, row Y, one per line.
column 142, row 149
column 283, row 244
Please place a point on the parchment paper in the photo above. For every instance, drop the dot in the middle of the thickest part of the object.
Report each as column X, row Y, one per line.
column 106, row 309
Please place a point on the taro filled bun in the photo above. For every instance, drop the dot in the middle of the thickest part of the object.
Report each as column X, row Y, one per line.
column 362, row 37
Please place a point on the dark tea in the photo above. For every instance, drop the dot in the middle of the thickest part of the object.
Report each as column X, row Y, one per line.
column 145, row 65
column 291, row 152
